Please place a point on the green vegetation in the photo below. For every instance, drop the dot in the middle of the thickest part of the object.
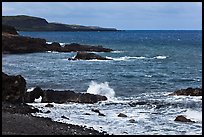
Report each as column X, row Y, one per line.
column 29, row 23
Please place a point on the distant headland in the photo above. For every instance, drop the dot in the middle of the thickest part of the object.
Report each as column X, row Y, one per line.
column 30, row 23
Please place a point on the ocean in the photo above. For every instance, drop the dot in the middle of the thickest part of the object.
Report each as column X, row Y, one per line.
column 147, row 65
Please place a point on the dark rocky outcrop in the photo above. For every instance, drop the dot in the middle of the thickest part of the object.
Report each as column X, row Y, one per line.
column 30, row 97
column 9, row 29
column 188, row 92
column 13, row 88
column 14, row 44
column 49, row 96
column 182, row 118
column 88, row 56
column 74, row 47
column 30, row 23
column 20, row 44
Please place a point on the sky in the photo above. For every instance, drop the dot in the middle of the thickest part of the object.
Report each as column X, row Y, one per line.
column 119, row 15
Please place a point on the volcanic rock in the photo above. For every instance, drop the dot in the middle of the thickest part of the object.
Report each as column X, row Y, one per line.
column 188, row 92
column 13, row 88
column 183, row 119
column 88, row 56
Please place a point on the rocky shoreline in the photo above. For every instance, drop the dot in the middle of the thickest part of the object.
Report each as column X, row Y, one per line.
column 16, row 114
column 17, row 120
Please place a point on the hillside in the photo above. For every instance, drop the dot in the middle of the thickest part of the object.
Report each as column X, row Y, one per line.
column 29, row 23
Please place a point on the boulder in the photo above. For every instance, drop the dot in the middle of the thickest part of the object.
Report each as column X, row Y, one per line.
column 88, row 56
column 122, row 115
column 181, row 118
column 188, row 92
column 13, row 88
column 30, row 97
column 132, row 121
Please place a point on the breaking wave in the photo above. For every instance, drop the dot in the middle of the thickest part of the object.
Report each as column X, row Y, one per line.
column 101, row 89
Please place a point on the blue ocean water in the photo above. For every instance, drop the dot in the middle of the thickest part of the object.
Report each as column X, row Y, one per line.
column 146, row 65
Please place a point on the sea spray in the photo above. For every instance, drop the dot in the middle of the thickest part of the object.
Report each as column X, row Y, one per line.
column 101, row 89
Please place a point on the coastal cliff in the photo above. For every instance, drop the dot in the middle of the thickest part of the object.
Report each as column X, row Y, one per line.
column 30, row 23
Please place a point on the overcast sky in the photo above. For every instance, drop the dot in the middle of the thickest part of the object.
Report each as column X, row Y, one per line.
column 120, row 15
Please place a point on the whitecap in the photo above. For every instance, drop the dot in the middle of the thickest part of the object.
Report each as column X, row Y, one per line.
column 101, row 89
column 52, row 51
column 160, row 57
column 117, row 51
column 194, row 115
column 125, row 58
column 30, row 89
column 38, row 100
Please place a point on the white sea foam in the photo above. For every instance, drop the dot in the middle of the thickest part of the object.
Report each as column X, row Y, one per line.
column 101, row 89
column 125, row 58
column 117, row 51
column 52, row 51
column 30, row 89
column 194, row 115
column 61, row 44
column 38, row 100
column 160, row 57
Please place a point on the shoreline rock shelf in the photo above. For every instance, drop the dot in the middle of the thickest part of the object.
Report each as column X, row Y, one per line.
column 13, row 43
column 14, row 91
column 188, row 92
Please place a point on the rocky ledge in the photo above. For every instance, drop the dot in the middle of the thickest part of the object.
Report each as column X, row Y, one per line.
column 13, row 43
column 14, row 91
column 49, row 96
column 88, row 56
column 188, row 92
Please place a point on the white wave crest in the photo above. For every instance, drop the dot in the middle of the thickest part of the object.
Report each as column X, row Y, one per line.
column 194, row 115
column 61, row 44
column 125, row 58
column 101, row 89
column 160, row 57
column 52, row 51
column 117, row 51
column 30, row 89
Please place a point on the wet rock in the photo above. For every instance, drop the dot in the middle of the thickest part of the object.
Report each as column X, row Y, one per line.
column 188, row 92
column 133, row 104
column 87, row 114
column 47, row 112
column 122, row 115
column 132, row 121
column 88, row 56
column 49, row 105
column 95, row 110
column 30, row 97
column 182, row 118
column 64, row 117
column 101, row 114
column 13, row 88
